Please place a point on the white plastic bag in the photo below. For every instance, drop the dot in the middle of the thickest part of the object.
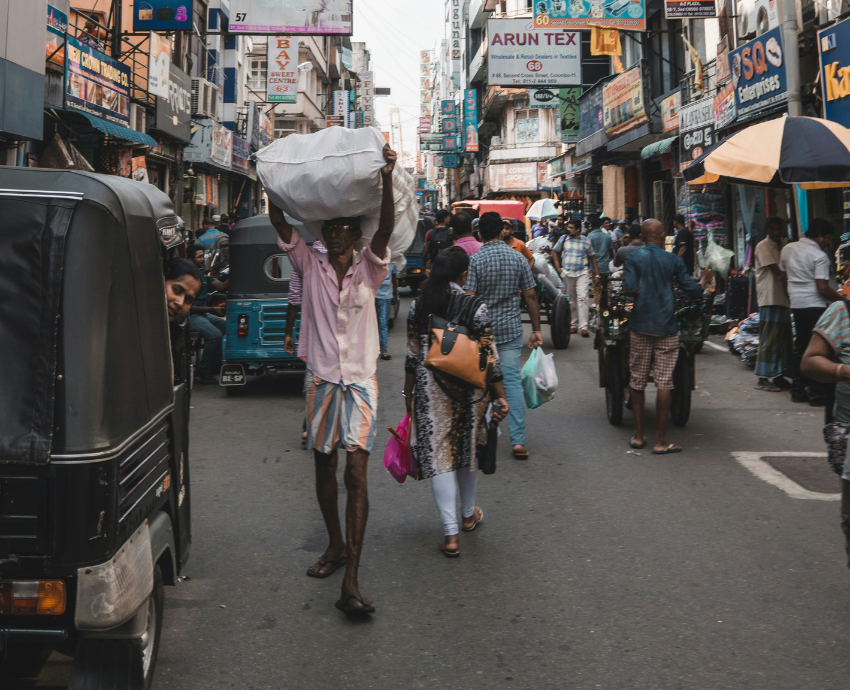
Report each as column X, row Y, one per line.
column 539, row 378
column 335, row 173
column 718, row 258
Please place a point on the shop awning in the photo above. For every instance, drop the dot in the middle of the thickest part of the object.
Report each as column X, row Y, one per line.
column 658, row 148
column 117, row 131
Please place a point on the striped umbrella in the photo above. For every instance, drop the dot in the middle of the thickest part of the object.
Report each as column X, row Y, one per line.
column 807, row 151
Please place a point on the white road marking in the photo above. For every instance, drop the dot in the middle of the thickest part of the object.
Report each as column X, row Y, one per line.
column 716, row 346
column 754, row 463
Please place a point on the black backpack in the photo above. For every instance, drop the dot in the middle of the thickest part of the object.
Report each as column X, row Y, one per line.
column 441, row 238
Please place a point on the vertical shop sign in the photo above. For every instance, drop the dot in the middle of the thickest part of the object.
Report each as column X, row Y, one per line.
column 569, row 120
column 367, row 98
column 340, row 106
column 470, row 120
column 670, row 111
column 282, row 73
column 57, row 27
column 358, row 119
column 590, row 111
column 834, row 51
column 159, row 64
column 724, row 106
column 696, row 130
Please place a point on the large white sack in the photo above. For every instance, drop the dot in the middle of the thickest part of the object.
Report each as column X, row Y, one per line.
column 332, row 173
column 335, row 173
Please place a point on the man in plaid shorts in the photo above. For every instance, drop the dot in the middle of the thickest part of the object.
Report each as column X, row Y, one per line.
column 651, row 274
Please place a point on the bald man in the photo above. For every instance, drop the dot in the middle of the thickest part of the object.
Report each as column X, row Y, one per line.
column 651, row 275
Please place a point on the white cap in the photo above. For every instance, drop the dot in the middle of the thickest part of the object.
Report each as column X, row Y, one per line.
column 216, row 219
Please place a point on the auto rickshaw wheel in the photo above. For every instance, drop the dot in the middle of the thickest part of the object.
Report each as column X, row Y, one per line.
column 153, row 633
column 613, row 385
column 680, row 405
column 413, row 285
column 698, row 348
column 559, row 320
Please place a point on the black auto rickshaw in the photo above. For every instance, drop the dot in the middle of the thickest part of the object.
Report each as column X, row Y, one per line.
column 94, row 465
column 413, row 272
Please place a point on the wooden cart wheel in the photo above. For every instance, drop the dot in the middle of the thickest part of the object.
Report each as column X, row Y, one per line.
column 680, row 405
column 613, row 385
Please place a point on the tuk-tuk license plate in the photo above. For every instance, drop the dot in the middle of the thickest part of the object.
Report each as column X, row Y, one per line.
column 232, row 375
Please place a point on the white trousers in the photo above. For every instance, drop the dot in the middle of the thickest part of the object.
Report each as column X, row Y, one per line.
column 577, row 289
column 445, row 496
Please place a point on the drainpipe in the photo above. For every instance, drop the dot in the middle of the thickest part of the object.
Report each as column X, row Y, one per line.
column 788, row 22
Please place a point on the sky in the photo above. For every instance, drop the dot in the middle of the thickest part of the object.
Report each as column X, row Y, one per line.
column 395, row 31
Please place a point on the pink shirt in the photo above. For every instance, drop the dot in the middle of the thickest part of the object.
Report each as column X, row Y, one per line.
column 469, row 244
column 339, row 328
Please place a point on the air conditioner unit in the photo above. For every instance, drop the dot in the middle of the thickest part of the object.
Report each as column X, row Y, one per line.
column 746, row 18
column 766, row 16
column 203, row 97
column 137, row 117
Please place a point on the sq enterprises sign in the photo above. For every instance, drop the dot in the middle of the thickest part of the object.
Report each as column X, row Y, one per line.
column 520, row 55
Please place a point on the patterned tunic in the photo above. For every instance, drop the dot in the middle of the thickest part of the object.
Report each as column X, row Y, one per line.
column 447, row 432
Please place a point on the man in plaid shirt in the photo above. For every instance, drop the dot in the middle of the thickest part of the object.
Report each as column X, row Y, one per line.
column 574, row 259
column 500, row 275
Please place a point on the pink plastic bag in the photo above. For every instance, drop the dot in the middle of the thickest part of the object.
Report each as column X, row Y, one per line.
column 398, row 458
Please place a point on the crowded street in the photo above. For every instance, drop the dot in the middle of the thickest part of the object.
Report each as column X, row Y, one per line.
column 594, row 567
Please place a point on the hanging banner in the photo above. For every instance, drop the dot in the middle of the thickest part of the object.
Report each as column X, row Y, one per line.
column 722, row 71
column 689, row 9
column 367, row 98
column 569, row 120
column 724, row 106
column 520, row 55
column 159, row 63
column 96, row 84
column 57, row 27
column 623, row 103
column 282, row 73
column 240, row 155
column 605, row 41
column 162, row 15
column 696, row 130
column 305, row 17
column 670, row 111
column 470, row 120
column 577, row 14
column 758, row 73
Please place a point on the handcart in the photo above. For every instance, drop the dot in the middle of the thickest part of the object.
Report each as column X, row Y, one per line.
column 612, row 345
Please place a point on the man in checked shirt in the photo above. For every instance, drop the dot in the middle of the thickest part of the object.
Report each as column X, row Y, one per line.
column 574, row 258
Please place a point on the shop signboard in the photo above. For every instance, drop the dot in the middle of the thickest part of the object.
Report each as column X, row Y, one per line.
column 57, row 27
column 722, row 72
column 470, row 120
column 557, row 167
column 240, row 155
column 421, row 183
column 758, row 75
column 305, row 18
column 629, row 15
column 174, row 113
column 520, row 55
column 696, row 130
column 582, row 163
column 424, row 124
column 162, row 15
column 358, row 119
column 449, row 143
column 367, row 98
column 221, row 146
column 724, row 106
column 834, row 50
column 568, row 115
column 591, row 116
column 450, row 160
column 282, row 73
column 340, row 102
column 265, row 129
column 690, row 9
column 95, row 83
column 448, row 125
column 448, row 108
column 670, row 111
column 211, row 143
column 159, row 60
column 513, row 177
column 624, row 103
column 544, row 181
column 254, row 126
column 543, row 98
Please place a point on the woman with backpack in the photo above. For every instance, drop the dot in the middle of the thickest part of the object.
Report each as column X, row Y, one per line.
column 448, row 415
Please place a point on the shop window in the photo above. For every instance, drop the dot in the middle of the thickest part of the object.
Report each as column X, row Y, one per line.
column 527, row 126
column 259, row 71
column 283, row 128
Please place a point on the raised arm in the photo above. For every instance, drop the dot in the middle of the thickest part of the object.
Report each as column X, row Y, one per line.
column 284, row 229
column 387, row 222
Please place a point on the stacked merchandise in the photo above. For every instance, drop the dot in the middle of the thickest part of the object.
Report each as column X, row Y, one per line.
column 704, row 204
column 744, row 340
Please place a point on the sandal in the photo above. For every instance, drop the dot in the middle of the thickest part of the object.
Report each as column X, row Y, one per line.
column 350, row 609
column 520, row 454
column 672, row 448
column 447, row 553
column 636, row 446
column 337, row 563
column 769, row 389
column 478, row 514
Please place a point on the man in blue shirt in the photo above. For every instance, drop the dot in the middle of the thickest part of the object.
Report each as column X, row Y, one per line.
column 603, row 248
column 210, row 234
column 652, row 274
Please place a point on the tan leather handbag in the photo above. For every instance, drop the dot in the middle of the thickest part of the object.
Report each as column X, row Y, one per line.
column 455, row 353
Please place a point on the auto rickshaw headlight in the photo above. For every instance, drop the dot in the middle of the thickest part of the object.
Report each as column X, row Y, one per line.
column 32, row 597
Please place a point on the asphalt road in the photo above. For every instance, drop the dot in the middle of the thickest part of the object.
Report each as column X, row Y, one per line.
column 593, row 568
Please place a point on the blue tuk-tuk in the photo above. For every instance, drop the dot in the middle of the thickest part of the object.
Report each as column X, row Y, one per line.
column 257, row 304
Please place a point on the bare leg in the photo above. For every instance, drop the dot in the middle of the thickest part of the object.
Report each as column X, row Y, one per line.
column 638, row 398
column 356, row 515
column 327, row 492
column 662, row 409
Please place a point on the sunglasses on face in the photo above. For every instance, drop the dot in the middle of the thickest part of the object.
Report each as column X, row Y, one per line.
column 337, row 229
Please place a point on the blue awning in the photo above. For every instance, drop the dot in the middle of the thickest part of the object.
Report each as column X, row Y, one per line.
column 117, row 131
column 658, row 148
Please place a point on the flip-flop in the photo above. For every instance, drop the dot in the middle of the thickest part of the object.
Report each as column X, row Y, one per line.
column 348, row 609
column 520, row 454
column 447, row 553
column 336, row 562
column 672, row 448
column 769, row 389
column 637, row 446
column 475, row 524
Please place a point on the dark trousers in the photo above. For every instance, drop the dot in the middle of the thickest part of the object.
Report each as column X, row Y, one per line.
column 845, row 516
column 804, row 323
